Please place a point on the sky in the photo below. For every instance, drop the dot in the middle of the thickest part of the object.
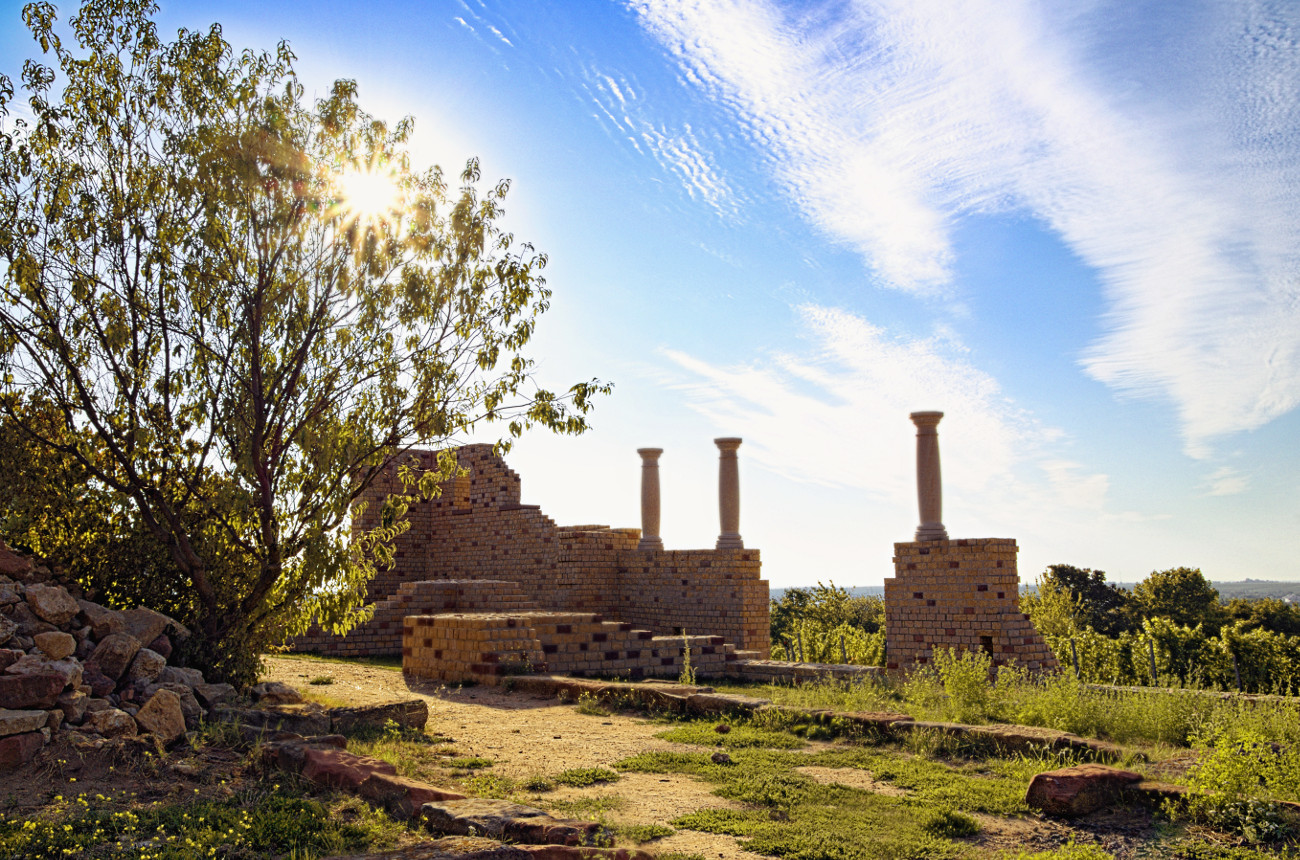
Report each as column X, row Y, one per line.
column 1071, row 227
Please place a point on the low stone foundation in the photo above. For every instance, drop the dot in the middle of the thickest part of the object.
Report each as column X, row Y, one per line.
column 485, row 647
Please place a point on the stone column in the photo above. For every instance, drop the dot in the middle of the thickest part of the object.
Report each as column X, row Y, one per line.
column 729, row 493
column 650, row 539
column 929, row 483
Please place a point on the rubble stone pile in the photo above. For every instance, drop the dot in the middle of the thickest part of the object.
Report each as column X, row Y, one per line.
column 70, row 665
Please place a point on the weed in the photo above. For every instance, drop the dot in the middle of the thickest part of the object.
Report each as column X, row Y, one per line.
column 321, row 680
column 643, row 832
column 741, row 736
column 537, row 784
column 581, row 777
column 591, row 706
column 587, row 807
column 469, row 763
column 490, row 785
column 1069, row 851
column 949, row 824
column 688, row 674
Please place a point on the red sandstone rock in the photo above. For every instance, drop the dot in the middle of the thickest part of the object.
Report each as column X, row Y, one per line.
column 17, row 750
column 162, row 716
column 334, row 768
column 1074, row 791
column 401, row 796
column 13, row 564
column 114, row 654
column 56, row 644
column 20, row 692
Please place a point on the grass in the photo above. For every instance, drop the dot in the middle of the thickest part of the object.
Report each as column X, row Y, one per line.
column 581, row 777
column 963, row 694
column 256, row 824
column 742, row 736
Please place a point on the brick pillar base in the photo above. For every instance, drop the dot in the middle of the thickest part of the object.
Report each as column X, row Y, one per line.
column 962, row 594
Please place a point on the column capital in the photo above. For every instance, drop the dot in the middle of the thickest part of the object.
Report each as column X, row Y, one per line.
column 650, row 454
column 728, row 444
column 926, row 422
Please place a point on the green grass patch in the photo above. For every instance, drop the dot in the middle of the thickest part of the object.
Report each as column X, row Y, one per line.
column 704, row 733
column 490, row 785
column 321, row 680
column 640, row 833
column 581, row 777
column 469, row 762
column 593, row 808
column 792, row 815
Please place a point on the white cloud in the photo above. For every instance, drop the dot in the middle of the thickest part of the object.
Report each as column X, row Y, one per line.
column 888, row 120
column 836, row 414
column 1226, row 481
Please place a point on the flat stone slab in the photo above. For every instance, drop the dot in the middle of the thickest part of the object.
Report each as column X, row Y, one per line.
column 480, row 848
column 334, row 768
column 1074, row 791
column 501, row 819
column 408, row 714
column 20, row 722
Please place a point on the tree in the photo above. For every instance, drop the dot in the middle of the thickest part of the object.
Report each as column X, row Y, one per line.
column 230, row 330
column 1098, row 604
column 1181, row 594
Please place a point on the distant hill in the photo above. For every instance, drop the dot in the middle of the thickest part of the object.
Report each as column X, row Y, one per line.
column 854, row 590
column 1251, row 589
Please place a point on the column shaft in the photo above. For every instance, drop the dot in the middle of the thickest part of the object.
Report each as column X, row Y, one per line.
column 650, row 539
column 929, row 481
column 729, row 494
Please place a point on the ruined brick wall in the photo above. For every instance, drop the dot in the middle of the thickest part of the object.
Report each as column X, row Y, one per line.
column 478, row 529
column 962, row 594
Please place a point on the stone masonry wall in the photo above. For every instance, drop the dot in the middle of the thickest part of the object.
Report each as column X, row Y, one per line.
column 478, row 529
column 962, row 594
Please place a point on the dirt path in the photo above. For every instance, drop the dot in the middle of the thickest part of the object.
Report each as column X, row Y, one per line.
column 532, row 736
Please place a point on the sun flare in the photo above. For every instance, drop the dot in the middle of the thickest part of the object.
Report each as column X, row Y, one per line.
column 369, row 193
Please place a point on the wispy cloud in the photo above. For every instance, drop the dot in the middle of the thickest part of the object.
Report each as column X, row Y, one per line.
column 886, row 121
column 1226, row 481
column 677, row 150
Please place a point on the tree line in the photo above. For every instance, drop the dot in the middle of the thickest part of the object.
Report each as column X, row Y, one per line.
column 1173, row 619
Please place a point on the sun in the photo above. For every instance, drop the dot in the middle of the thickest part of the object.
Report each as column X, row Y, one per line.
column 369, row 193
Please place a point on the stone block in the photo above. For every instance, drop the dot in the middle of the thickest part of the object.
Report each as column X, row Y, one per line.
column 1074, row 791
column 162, row 716
column 17, row 750
column 334, row 768
column 37, row 690
column 51, row 603
column 114, row 654
column 14, row 722
column 56, row 644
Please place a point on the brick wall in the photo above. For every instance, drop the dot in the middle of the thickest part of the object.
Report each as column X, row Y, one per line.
column 479, row 530
column 962, row 594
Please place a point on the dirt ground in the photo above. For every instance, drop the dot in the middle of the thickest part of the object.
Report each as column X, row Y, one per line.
column 527, row 736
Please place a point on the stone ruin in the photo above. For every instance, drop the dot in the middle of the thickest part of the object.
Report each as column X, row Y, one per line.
column 961, row 594
column 485, row 586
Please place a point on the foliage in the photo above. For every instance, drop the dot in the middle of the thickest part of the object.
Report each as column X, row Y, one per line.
column 1102, row 606
column 1238, row 779
column 255, row 824
column 1180, row 594
column 196, row 319
column 830, row 624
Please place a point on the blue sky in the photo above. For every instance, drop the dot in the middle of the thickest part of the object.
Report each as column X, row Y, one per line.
column 1071, row 227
